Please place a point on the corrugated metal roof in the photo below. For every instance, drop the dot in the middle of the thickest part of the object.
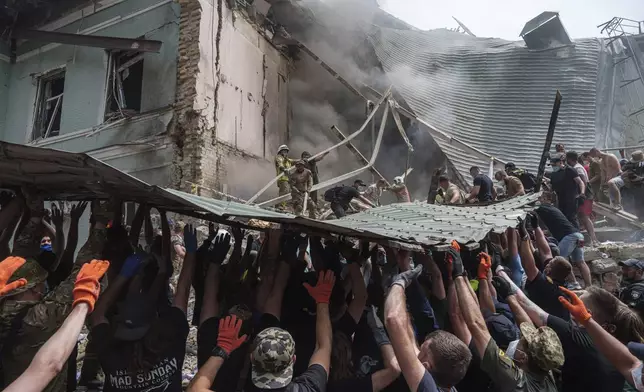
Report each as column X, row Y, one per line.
column 60, row 175
column 432, row 224
column 492, row 94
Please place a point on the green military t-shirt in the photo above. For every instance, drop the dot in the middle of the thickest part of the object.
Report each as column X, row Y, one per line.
column 507, row 377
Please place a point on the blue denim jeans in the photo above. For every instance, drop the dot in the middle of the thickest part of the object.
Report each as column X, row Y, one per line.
column 569, row 247
column 518, row 273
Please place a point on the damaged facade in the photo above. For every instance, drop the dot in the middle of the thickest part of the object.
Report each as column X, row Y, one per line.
column 182, row 116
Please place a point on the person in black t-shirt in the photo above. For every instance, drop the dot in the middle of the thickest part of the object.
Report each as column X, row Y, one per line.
column 483, row 189
column 568, row 186
column 145, row 351
column 569, row 238
column 344, row 195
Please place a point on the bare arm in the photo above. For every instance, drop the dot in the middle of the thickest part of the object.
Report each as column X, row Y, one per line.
column 519, row 314
column 398, row 326
column 383, row 378
column 187, row 270
column 456, row 317
column 323, row 338
column 581, row 185
column 107, row 299
column 366, row 201
column 53, row 355
column 456, row 197
column 538, row 316
column 485, row 296
column 438, row 288
column 474, row 192
column 206, row 376
column 180, row 251
column 527, row 259
column 613, row 350
column 472, row 315
column 273, row 304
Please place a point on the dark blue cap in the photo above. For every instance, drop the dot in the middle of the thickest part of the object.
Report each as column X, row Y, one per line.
column 632, row 263
column 501, row 329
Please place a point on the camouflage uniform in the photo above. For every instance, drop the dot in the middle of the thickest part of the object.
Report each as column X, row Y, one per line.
column 41, row 319
column 282, row 164
column 177, row 260
column 301, row 183
column 272, row 359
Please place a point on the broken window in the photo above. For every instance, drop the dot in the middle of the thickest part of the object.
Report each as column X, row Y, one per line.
column 49, row 102
column 125, row 83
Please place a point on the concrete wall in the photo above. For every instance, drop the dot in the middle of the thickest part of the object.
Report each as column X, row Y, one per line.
column 240, row 102
column 83, row 108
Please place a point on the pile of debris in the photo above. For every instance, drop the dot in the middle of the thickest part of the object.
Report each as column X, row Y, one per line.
column 604, row 263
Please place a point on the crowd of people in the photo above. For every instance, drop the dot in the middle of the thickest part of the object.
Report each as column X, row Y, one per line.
column 283, row 311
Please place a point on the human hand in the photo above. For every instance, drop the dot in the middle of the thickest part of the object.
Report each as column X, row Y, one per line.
column 219, row 249
column 534, row 220
column 485, row 263
column 290, row 244
column 229, row 339
column 321, row 293
column 132, row 265
column 77, row 210
column 190, row 238
column 238, row 234
column 7, row 267
column 249, row 245
column 404, row 279
column 453, row 256
column 575, row 306
column 503, row 288
column 87, row 287
column 523, row 231
column 57, row 214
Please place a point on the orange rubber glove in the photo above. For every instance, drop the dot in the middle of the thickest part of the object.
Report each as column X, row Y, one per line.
column 321, row 293
column 485, row 263
column 575, row 306
column 7, row 268
column 229, row 339
column 87, row 286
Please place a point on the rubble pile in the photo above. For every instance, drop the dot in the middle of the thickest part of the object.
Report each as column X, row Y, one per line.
column 603, row 262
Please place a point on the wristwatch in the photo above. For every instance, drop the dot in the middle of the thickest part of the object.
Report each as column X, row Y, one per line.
column 220, row 352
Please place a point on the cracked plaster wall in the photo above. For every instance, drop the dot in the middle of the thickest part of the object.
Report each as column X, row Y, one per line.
column 231, row 101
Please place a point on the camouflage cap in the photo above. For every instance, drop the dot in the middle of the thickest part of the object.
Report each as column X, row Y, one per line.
column 272, row 359
column 544, row 346
column 32, row 272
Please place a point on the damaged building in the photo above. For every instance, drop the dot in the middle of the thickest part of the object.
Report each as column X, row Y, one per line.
column 198, row 94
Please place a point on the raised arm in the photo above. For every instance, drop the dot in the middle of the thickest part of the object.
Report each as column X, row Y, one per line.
column 527, row 258
column 323, row 330
column 485, row 294
column 538, row 316
column 187, row 270
column 137, row 223
column 53, row 355
column 607, row 344
column 59, row 241
column 228, row 341
column 428, row 262
column 506, row 293
column 400, row 331
column 356, row 307
column 216, row 256
column 384, row 377
column 455, row 314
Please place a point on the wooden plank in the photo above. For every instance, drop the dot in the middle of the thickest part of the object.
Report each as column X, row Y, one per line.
column 621, row 217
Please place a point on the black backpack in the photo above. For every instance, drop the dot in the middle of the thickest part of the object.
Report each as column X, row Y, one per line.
column 528, row 179
column 330, row 194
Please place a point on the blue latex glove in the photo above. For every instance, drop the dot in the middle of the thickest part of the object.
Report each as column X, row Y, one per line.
column 190, row 238
column 131, row 265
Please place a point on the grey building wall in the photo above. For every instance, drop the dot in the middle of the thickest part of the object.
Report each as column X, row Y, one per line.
column 133, row 145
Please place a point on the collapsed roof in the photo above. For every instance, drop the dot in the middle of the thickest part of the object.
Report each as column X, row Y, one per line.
column 493, row 96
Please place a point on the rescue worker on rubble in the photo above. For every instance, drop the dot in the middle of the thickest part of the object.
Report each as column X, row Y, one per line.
column 483, row 190
column 513, row 185
column 400, row 190
column 312, row 165
column 452, row 194
column 301, row 182
column 282, row 166
column 374, row 191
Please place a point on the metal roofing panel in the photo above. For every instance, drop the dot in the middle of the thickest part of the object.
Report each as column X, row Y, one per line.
column 492, row 94
column 432, row 224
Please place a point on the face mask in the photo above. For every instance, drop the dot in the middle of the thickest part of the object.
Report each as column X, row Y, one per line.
column 512, row 349
column 637, row 377
column 46, row 247
column 556, row 168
